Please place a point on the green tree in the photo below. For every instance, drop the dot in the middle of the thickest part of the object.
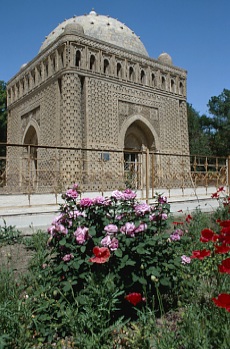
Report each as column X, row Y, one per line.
column 3, row 111
column 198, row 139
column 218, row 125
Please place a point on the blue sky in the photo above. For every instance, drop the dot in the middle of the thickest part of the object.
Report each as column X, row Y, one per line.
column 194, row 32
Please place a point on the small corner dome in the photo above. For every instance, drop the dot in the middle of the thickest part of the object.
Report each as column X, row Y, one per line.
column 99, row 27
column 165, row 58
column 74, row 27
column 23, row 66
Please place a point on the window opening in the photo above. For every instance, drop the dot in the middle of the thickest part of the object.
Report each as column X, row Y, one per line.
column 78, row 58
column 106, row 66
column 92, row 62
column 131, row 74
column 142, row 77
column 119, row 70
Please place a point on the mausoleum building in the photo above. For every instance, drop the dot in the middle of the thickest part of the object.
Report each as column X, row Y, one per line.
column 93, row 88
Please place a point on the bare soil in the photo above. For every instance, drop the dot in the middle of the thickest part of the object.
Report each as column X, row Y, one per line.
column 15, row 257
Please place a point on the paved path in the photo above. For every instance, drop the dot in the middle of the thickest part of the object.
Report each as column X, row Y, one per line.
column 37, row 211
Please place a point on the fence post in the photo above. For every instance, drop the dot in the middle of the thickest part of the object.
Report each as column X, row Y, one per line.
column 228, row 174
column 29, row 172
column 147, row 175
column 153, row 174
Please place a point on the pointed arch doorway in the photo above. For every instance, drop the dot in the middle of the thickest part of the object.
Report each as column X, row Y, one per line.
column 138, row 138
column 30, row 157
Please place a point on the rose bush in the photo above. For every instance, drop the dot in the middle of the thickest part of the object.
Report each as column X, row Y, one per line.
column 114, row 235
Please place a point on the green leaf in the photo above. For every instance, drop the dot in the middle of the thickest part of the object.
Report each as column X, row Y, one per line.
column 153, row 271
column 171, row 266
column 130, row 262
column 118, row 252
column 83, row 248
column 141, row 250
column 62, row 242
column 67, row 286
column 165, row 282
column 65, row 267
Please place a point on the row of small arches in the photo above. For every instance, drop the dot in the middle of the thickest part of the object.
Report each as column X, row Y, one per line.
column 154, row 81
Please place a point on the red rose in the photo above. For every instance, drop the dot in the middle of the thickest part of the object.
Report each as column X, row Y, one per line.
column 134, row 298
column 102, row 255
column 208, row 235
column 223, row 301
column 225, row 266
column 200, row 254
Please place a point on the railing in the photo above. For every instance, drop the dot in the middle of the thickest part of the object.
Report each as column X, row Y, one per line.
column 32, row 169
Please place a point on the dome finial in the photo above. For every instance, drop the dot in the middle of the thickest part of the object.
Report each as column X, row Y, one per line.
column 92, row 12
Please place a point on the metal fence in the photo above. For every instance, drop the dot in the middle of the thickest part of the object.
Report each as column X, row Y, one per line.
column 32, row 169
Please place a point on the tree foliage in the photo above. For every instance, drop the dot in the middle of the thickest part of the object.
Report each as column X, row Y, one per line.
column 218, row 125
column 209, row 135
column 198, row 140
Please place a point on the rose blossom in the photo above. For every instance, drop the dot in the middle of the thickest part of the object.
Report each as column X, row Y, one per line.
column 128, row 229
column 162, row 199
column 141, row 209
column 99, row 200
column 141, row 227
column 81, row 234
column 116, row 194
column 111, row 228
column 114, row 244
column 106, row 241
column 129, row 194
column 175, row 236
column 185, row 259
column 71, row 194
column 67, row 257
column 86, row 202
column 57, row 228
column 163, row 216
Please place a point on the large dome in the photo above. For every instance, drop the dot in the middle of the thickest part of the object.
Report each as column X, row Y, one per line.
column 103, row 28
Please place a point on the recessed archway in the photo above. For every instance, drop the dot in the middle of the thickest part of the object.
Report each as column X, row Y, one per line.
column 30, row 157
column 137, row 134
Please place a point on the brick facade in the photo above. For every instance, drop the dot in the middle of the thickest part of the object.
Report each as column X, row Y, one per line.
column 85, row 93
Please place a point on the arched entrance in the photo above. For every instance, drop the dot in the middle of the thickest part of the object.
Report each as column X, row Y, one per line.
column 138, row 138
column 30, row 157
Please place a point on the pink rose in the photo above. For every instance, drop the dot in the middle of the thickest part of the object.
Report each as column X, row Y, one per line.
column 114, row 244
column 72, row 194
column 111, row 228
column 81, row 234
column 86, row 202
column 128, row 229
column 106, row 241
column 141, row 227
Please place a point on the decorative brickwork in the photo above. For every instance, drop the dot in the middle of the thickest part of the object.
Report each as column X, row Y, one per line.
column 84, row 93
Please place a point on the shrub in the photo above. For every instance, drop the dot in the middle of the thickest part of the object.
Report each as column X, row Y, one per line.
column 116, row 237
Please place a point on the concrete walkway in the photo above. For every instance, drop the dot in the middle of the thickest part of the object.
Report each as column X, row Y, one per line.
column 29, row 214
